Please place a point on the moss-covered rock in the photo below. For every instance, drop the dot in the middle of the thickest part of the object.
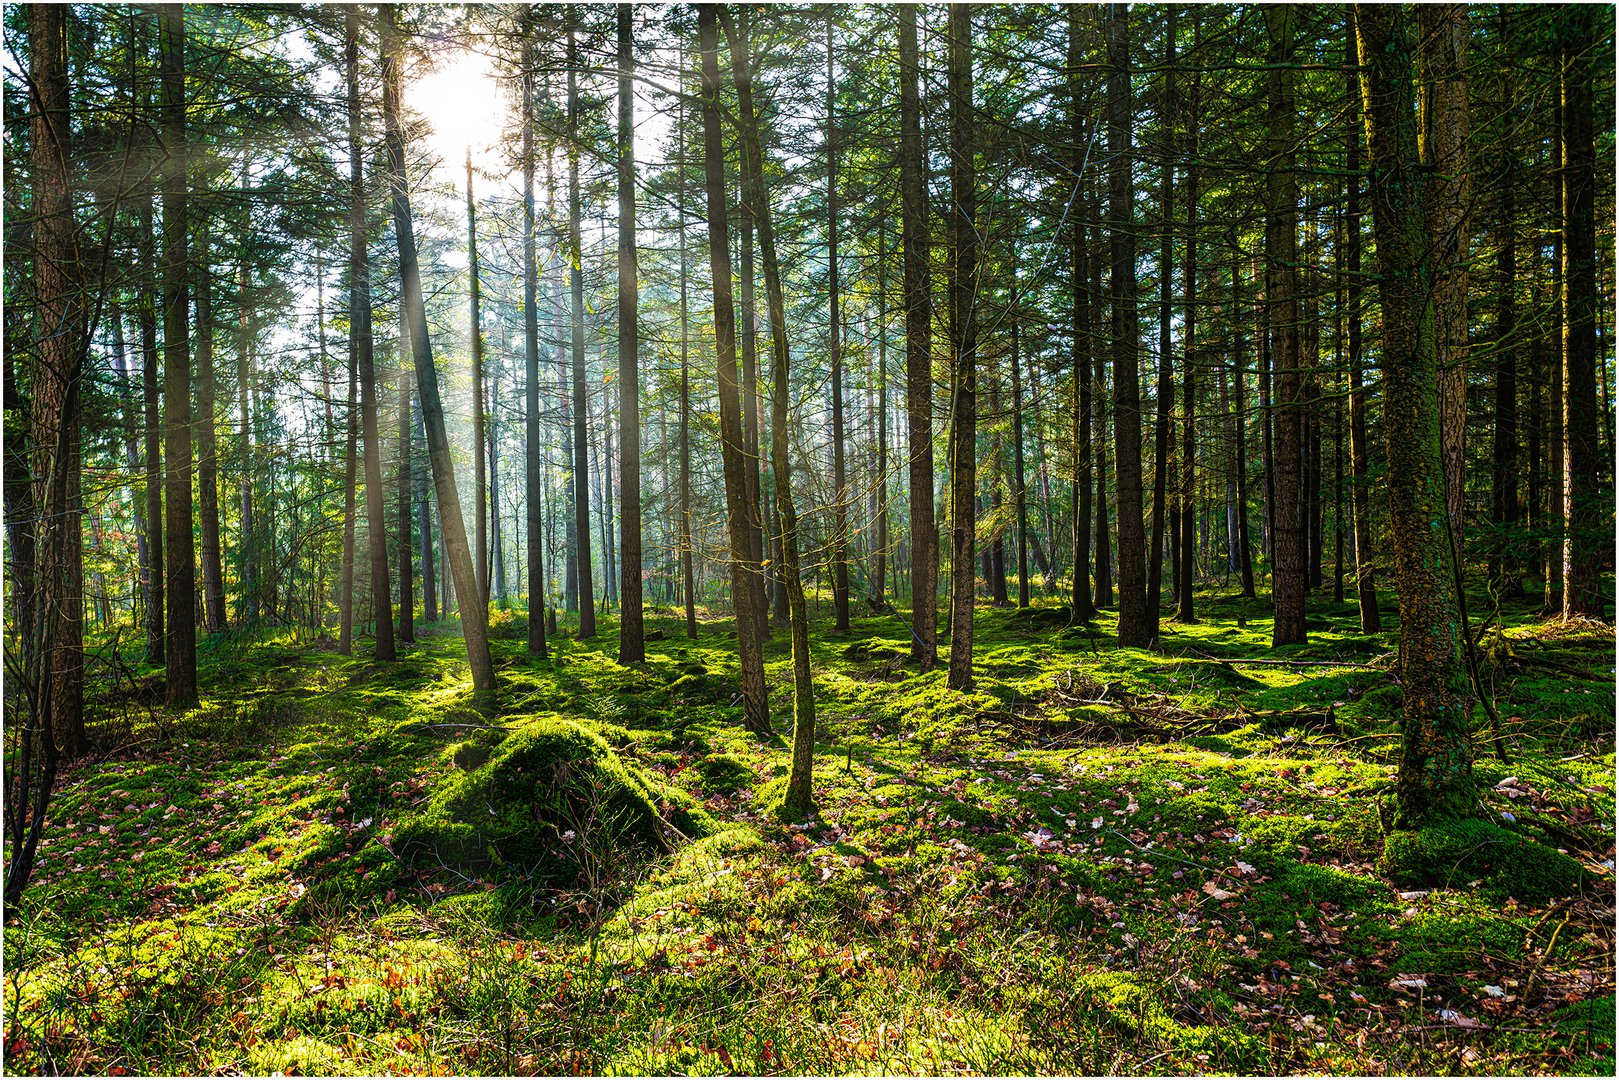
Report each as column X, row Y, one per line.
column 1461, row 851
column 551, row 797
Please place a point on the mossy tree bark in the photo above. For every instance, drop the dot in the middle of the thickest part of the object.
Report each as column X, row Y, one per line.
column 631, row 640
column 1435, row 778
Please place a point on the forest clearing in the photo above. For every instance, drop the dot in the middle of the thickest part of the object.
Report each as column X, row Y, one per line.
column 809, row 539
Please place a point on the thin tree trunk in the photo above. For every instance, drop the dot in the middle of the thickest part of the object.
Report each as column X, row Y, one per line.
column 361, row 353
column 402, row 486
column 799, row 780
column 345, row 596
column 631, row 641
column 474, row 620
column 918, row 350
column 840, row 482
column 180, row 672
column 1585, row 502
column 963, row 286
column 424, row 515
column 576, row 283
column 1288, row 574
column 1018, row 476
column 1505, row 569
column 1163, row 435
column 687, row 575
column 213, row 575
column 1137, row 622
column 151, row 400
column 1188, row 548
column 533, row 484
column 1359, row 457
column 480, row 487
column 880, row 561
column 755, row 701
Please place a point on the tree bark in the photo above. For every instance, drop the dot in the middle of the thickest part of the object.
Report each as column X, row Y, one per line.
column 631, row 640
column 474, row 620
column 1288, row 574
column 1186, row 562
column 1435, row 776
column 480, row 487
column 840, row 480
column 1163, row 429
column 1137, row 624
column 687, row 575
column 151, row 401
column 361, row 349
column 213, row 574
column 180, row 675
column 918, row 286
column 1442, row 32
column 402, row 488
column 799, row 781
column 533, row 482
column 755, row 701
column 1359, row 447
column 963, row 286
column 576, row 284
column 1585, row 503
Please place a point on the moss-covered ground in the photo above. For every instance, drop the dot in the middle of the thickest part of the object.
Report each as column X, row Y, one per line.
column 1103, row 861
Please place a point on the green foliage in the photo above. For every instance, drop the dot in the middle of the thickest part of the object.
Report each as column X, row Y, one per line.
column 1452, row 854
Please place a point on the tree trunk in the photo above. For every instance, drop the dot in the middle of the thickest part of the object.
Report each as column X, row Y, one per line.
column 1188, row 478
column 1435, row 778
column 1239, row 383
column 480, row 487
column 345, row 595
column 1442, row 144
column 361, row 351
column 1163, row 437
column 1585, row 503
column 576, row 284
column 963, row 348
column 880, row 559
column 739, row 519
column 1505, row 568
column 840, row 480
column 151, row 401
column 424, row 516
column 1359, row 456
column 799, row 781
column 213, row 574
column 180, row 678
column 403, row 482
column 1288, row 574
column 533, row 483
column 1137, row 624
column 687, row 576
column 631, row 640
column 474, row 620
column 918, row 350
column 1018, row 469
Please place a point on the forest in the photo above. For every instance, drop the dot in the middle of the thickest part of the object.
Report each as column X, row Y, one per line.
column 809, row 539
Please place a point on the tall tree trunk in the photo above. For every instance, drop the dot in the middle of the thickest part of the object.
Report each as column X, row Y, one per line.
column 480, row 486
column 424, row 517
column 1505, row 569
column 474, row 619
column 880, row 559
column 1435, row 779
column 1082, row 606
column 402, row 486
column 1245, row 548
column 963, row 348
column 1288, row 574
column 124, row 367
column 1359, row 447
column 1099, row 400
column 1018, row 476
column 576, row 284
column 55, row 711
column 151, row 401
column 213, row 574
column 840, row 480
column 1163, row 435
column 180, row 671
column 1188, row 479
column 799, row 781
column 739, row 519
column 1137, row 622
column 1442, row 144
column 918, row 350
column 687, row 576
column 631, row 641
column 361, row 350
column 345, row 595
column 1585, row 503
column 533, row 483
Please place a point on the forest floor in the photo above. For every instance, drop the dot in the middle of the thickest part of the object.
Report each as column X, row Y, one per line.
column 1104, row 861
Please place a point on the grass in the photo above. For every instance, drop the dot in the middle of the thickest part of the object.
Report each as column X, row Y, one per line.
column 1103, row 861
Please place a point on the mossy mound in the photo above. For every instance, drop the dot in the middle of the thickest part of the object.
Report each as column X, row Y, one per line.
column 551, row 796
column 725, row 773
column 1459, row 852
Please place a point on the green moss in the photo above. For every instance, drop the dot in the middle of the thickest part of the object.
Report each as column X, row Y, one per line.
column 725, row 773
column 1453, row 854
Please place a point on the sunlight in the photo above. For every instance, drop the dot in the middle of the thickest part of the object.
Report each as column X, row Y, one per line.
column 464, row 106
